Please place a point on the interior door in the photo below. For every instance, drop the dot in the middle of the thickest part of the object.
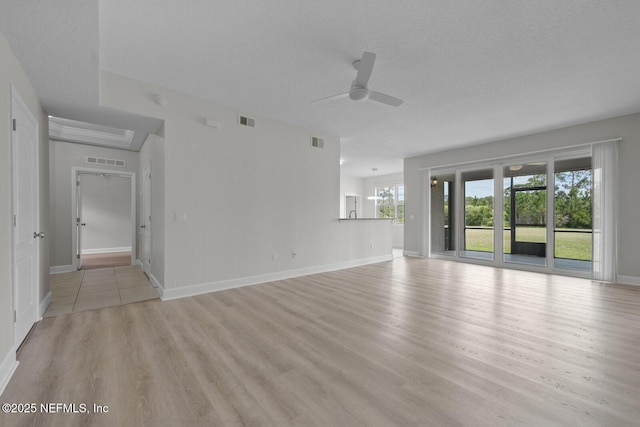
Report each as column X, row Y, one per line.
column 26, row 236
column 145, row 252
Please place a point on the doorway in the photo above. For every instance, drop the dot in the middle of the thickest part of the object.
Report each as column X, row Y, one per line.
column 104, row 218
column 525, row 213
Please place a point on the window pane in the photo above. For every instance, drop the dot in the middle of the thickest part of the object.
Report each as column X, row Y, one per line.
column 478, row 214
column 443, row 236
column 401, row 214
column 573, row 214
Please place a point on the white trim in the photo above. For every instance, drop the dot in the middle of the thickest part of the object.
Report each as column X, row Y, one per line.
column 7, row 368
column 628, row 280
column 44, row 305
column 74, row 201
column 414, row 254
column 56, row 269
column 515, row 157
column 203, row 288
column 106, row 250
column 138, row 262
column 159, row 286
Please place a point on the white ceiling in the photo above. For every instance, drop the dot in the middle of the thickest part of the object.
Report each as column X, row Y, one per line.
column 468, row 71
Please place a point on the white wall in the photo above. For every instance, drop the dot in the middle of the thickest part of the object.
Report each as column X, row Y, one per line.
column 626, row 127
column 106, row 211
column 251, row 196
column 152, row 153
column 64, row 156
column 12, row 74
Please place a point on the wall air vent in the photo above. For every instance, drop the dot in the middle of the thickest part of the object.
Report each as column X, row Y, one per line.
column 246, row 121
column 317, row 142
column 107, row 162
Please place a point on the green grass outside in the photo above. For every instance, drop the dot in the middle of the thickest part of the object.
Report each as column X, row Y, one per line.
column 571, row 245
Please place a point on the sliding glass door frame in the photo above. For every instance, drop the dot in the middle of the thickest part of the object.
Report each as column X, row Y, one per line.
column 498, row 165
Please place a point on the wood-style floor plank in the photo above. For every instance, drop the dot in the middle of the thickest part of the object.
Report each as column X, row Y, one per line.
column 407, row 342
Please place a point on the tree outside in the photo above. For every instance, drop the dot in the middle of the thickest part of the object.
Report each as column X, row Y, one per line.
column 573, row 214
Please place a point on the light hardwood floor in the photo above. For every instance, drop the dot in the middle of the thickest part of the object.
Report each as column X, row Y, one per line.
column 114, row 259
column 405, row 342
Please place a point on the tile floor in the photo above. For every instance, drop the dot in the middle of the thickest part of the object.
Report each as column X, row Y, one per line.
column 100, row 288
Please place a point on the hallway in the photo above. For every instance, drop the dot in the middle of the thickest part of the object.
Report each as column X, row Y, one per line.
column 99, row 288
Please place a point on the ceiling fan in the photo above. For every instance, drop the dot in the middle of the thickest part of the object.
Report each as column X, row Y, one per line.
column 359, row 90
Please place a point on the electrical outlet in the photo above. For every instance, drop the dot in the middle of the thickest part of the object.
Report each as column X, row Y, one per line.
column 371, row 245
column 294, row 254
column 274, row 256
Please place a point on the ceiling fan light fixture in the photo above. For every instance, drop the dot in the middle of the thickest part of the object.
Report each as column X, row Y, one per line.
column 358, row 93
column 359, row 87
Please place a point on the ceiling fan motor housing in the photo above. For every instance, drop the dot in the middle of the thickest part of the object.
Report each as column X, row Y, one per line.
column 358, row 93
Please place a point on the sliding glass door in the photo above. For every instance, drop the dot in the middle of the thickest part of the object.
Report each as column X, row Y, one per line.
column 478, row 214
column 541, row 208
column 443, row 227
column 525, row 213
column 573, row 228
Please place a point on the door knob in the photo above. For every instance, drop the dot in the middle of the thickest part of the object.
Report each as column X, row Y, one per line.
column 143, row 226
column 36, row 235
column 83, row 224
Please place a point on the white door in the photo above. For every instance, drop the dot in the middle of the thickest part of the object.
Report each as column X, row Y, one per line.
column 146, row 220
column 26, row 236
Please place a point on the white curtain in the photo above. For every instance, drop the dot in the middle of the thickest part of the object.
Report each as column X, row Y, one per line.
column 605, row 196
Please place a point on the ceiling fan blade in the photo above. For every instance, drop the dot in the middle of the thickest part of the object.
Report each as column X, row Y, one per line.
column 385, row 99
column 330, row 98
column 365, row 67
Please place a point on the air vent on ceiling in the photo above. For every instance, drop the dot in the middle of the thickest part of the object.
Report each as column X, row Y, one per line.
column 247, row 121
column 107, row 162
column 317, row 142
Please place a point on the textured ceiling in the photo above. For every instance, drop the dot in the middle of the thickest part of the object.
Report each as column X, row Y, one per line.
column 468, row 71
column 57, row 44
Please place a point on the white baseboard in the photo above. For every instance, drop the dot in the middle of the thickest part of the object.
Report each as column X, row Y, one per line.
column 628, row 280
column 138, row 262
column 204, row 288
column 7, row 368
column 105, row 250
column 414, row 254
column 61, row 269
column 156, row 284
column 45, row 304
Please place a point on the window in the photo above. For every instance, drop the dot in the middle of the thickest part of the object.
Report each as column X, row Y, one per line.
column 390, row 202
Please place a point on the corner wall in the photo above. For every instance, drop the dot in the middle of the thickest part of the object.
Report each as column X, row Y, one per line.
column 242, row 204
column 152, row 153
column 625, row 127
